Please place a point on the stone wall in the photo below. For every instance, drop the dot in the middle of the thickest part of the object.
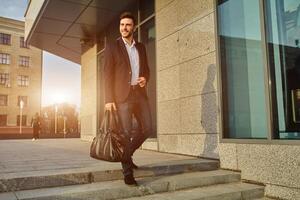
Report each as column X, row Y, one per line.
column 88, row 111
column 187, row 83
column 188, row 107
column 276, row 166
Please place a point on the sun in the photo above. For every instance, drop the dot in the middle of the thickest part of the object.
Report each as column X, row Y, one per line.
column 59, row 97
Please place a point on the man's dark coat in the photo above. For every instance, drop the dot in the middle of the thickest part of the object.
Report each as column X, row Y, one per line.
column 117, row 70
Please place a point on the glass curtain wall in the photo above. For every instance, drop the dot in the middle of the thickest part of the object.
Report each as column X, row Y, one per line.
column 245, row 83
column 283, row 38
column 244, row 99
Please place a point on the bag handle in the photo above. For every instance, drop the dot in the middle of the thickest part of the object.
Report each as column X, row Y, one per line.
column 109, row 121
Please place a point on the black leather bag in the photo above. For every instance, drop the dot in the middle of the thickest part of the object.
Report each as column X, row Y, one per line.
column 109, row 144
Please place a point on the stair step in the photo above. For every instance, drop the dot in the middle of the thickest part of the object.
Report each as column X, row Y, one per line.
column 83, row 176
column 117, row 189
column 232, row 191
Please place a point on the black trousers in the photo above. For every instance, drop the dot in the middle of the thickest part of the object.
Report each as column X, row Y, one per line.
column 136, row 105
column 36, row 130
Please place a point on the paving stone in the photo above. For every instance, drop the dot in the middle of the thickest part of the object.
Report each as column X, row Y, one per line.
column 8, row 196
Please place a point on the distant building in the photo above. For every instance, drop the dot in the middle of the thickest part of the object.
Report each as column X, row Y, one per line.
column 20, row 75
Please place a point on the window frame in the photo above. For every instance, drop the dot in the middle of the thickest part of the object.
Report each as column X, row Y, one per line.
column 6, row 96
column 24, row 61
column 270, row 98
column 25, row 100
column 4, row 116
column 24, row 122
column 23, row 79
column 3, row 38
column 23, row 44
column 5, row 77
column 6, row 58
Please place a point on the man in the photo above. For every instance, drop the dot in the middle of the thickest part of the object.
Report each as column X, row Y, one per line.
column 36, row 124
column 126, row 73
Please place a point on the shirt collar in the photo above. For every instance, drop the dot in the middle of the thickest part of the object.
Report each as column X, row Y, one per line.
column 133, row 42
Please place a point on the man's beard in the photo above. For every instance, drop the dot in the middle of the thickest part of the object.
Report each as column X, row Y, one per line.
column 128, row 35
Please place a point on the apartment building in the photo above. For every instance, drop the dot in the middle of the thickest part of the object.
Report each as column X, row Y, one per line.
column 20, row 75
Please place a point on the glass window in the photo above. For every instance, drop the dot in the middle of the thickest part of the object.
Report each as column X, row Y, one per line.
column 4, row 79
column 24, row 61
column 24, row 99
column 3, row 100
column 148, row 39
column 244, row 99
column 5, row 39
column 283, row 37
column 23, row 44
column 3, row 120
column 146, row 8
column 23, row 81
column 24, row 120
column 4, row 58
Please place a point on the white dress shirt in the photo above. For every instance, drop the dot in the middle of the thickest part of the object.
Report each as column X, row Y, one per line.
column 134, row 61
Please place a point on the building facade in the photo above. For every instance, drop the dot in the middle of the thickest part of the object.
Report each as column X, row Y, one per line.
column 20, row 75
column 224, row 76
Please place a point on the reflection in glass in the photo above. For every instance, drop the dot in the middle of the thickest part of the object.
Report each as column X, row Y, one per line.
column 146, row 8
column 283, row 37
column 148, row 39
column 244, row 101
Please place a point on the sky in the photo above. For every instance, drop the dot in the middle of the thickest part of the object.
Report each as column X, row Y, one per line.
column 61, row 78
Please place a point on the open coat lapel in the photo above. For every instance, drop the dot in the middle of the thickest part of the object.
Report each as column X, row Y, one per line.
column 124, row 52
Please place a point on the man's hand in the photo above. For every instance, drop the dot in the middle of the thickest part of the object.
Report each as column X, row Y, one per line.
column 110, row 106
column 141, row 81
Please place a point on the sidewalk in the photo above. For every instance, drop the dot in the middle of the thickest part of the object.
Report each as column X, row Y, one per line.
column 22, row 158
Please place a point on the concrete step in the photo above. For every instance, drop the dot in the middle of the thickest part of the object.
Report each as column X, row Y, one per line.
column 147, row 186
column 232, row 191
column 45, row 179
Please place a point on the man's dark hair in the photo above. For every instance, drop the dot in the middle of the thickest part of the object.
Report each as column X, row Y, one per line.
column 127, row 15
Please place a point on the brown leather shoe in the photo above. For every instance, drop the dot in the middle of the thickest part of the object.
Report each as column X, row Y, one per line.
column 129, row 180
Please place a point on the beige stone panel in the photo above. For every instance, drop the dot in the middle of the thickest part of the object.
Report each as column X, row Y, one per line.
column 203, row 145
column 280, row 192
column 89, row 63
column 199, row 114
column 168, row 84
column 198, row 76
column 88, row 92
column 197, row 39
column 275, row 164
column 150, row 144
column 167, row 52
column 166, row 20
column 88, row 138
column 168, row 143
column 89, row 97
column 160, row 4
column 190, row 10
column 89, row 53
column 88, row 125
column 228, row 156
column 168, row 117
